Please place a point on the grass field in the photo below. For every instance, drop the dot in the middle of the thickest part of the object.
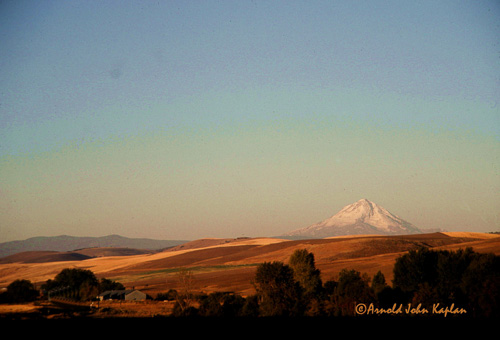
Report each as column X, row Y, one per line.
column 229, row 265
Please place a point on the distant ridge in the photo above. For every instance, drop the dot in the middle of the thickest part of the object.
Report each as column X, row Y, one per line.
column 360, row 218
column 43, row 256
column 70, row 243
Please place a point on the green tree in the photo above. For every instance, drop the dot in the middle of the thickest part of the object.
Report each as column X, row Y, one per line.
column 309, row 278
column 415, row 268
column 211, row 304
column 378, row 283
column 279, row 294
column 87, row 291
column 80, row 284
column 352, row 288
column 468, row 279
column 425, row 296
column 107, row 284
column 221, row 304
column 305, row 272
column 21, row 291
column 451, row 267
column 481, row 285
column 251, row 306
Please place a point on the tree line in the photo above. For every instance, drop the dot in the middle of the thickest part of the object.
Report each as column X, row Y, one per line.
column 422, row 278
column 71, row 283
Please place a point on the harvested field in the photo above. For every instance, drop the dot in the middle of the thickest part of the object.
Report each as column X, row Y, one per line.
column 230, row 264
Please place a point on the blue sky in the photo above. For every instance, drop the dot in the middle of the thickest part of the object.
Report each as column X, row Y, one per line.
column 191, row 119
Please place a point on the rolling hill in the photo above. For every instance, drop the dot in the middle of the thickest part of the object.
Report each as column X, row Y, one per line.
column 230, row 264
column 71, row 243
column 77, row 255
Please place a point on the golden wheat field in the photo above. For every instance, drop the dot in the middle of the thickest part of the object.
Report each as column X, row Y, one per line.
column 229, row 264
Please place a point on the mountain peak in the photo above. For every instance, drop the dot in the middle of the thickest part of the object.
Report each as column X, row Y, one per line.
column 361, row 217
column 362, row 204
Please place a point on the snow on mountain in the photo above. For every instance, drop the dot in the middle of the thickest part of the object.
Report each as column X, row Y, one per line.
column 359, row 218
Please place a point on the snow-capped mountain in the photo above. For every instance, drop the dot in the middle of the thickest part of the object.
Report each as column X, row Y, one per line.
column 360, row 218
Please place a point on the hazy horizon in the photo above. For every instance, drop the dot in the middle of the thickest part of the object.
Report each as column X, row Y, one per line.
column 193, row 119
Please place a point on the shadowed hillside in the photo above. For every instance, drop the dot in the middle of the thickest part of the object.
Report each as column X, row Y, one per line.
column 43, row 256
column 230, row 264
column 71, row 243
column 77, row 255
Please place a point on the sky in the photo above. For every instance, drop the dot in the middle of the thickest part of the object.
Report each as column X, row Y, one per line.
column 193, row 119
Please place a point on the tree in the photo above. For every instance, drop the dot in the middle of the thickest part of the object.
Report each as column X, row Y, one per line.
column 480, row 283
column 279, row 294
column 80, row 283
column 352, row 288
column 75, row 277
column 415, row 268
column 309, row 279
column 185, row 295
column 462, row 277
column 305, row 272
column 425, row 296
column 451, row 267
column 221, row 304
column 107, row 284
column 21, row 291
column 87, row 291
column 251, row 306
column 378, row 283
column 168, row 296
